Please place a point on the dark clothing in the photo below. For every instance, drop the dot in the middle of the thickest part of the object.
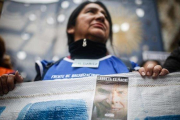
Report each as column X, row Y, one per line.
column 172, row 63
column 87, row 49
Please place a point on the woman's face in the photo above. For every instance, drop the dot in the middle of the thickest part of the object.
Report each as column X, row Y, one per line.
column 91, row 23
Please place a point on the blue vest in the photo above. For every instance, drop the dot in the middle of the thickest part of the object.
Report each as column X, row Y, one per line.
column 64, row 70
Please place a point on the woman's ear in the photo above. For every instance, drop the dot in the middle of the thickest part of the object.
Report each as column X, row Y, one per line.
column 70, row 30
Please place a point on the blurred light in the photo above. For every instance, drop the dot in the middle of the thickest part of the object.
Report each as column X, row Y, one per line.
column 65, row 4
column 32, row 17
column 50, row 20
column 25, row 36
column 125, row 27
column 140, row 12
column 23, row 74
column 43, row 8
column 92, row 0
column 55, row 58
column 61, row 18
column 134, row 59
column 77, row 1
column 116, row 28
column 138, row 2
column 21, row 55
column 26, row 4
column 36, row 1
column 37, row 58
column 145, row 47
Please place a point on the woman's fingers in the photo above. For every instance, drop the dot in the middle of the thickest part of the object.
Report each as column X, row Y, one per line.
column 142, row 71
column 1, row 89
column 18, row 77
column 149, row 69
column 7, row 82
column 156, row 70
column 164, row 72
column 10, row 82
column 153, row 70
column 4, row 86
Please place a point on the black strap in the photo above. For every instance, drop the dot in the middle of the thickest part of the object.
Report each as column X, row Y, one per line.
column 39, row 77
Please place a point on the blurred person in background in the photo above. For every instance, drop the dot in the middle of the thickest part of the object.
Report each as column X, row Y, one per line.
column 5, row 60
column 88, row 29
column 6, row 69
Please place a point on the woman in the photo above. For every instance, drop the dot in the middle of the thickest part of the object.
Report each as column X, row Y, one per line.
column 89, row 27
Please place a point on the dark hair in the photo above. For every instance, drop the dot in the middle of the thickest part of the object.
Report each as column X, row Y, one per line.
column 2, row 48
column 75, row 13
column 4, row 61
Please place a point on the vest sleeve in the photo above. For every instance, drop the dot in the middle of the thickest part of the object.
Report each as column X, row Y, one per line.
column 40, row 67
column 135, row 66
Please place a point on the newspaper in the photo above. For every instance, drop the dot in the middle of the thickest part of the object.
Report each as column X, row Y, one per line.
column 72, row 99
column 111, row 98
column 69, row 99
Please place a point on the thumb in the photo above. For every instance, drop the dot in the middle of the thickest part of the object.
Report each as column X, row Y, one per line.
column 18, row 77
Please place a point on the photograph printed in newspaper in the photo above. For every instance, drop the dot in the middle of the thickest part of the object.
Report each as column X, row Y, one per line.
column 111, row 98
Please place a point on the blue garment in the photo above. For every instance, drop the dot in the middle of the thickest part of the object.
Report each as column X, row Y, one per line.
column 63, row 70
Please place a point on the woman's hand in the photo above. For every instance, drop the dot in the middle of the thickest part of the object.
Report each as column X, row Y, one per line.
column 153, row 70
column 7, row 82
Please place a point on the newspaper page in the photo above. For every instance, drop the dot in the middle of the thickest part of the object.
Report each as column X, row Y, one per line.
column 154, row 99
column 111, row 98
column 148, row 99
column 69, row 99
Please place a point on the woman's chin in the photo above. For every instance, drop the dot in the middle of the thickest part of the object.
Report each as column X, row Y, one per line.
column 99, row 37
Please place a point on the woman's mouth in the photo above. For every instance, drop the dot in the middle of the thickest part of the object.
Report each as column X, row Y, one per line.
column 99, row 25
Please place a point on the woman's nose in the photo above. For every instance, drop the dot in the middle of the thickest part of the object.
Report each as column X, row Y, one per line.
column 100, row 17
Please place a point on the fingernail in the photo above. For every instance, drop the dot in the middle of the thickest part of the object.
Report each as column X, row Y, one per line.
column 161, row 73
column 143, row 73
column 154, row 74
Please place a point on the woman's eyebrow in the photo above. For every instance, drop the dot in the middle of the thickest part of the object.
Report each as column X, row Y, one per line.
column 93, row 8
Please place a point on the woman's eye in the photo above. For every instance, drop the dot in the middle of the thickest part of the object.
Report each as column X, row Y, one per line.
column 89, row 11
column 105, row 16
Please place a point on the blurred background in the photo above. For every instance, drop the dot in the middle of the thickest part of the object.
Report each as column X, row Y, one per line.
column 35, row 30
